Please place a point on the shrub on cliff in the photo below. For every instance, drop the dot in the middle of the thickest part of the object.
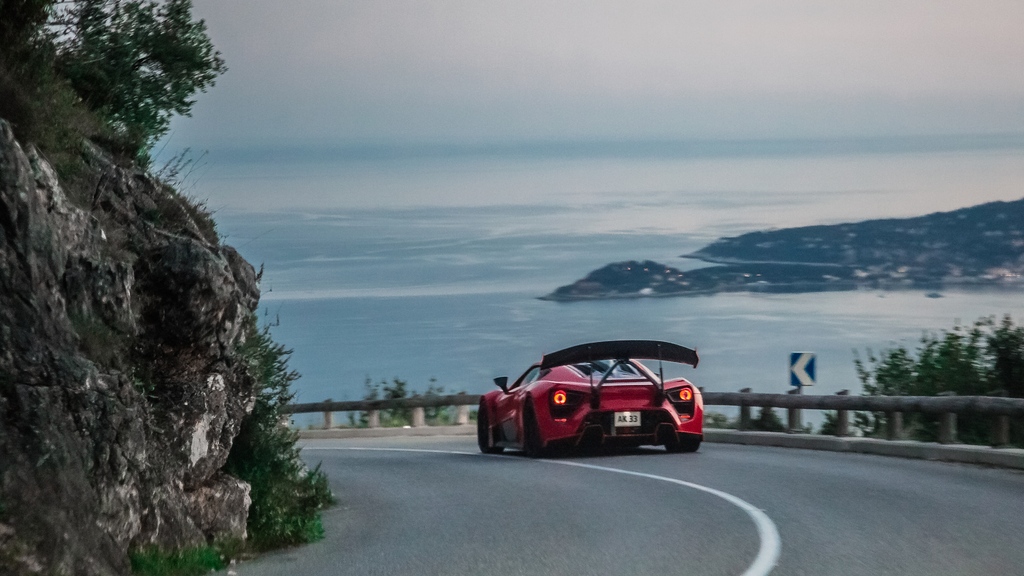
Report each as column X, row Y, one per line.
column 114, row 71
column 286, row 497
column 137, row 62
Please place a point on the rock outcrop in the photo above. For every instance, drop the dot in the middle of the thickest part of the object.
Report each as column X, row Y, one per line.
column 121, row 382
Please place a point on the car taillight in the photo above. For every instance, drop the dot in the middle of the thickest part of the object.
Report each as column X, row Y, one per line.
column 564, row 403
column 683, row 401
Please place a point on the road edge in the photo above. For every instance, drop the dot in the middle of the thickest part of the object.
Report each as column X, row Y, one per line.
column 909, row 449
column 961, row 453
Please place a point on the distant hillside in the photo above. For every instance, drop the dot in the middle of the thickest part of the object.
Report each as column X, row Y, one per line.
column 977, row 246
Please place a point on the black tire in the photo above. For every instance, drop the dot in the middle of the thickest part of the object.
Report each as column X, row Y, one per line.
column 531, row 434
column 684, row 444
column 483, row 433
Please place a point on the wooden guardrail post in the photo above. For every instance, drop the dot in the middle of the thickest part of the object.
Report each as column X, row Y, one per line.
column 894, row 425
column 1000, row 431
column 947, row 424
column 373, row 418
column 1000, row 426
column 794, row 424
column 843, row 417
column 419, row 418
column 947, row 428
column 462, row 415
column 328, row 418
column 744, row 412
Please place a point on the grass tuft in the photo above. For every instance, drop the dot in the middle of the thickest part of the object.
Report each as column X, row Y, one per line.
column 188, row 562
column 99, row 342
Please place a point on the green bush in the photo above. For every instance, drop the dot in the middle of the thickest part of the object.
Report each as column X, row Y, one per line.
column 830, row 426
column 438, row 415
column 287, row 498
column 44, row 110
column 986, row 358
column 21, row 23
column 767, row 421
column 137, row 62
column 395, row 390
column 397, row 417
column 190, row 562
column 717, row 420
column 114, row 71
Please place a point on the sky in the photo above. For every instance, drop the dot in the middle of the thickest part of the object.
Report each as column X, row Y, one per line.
column 338, row 143
column 315, row 73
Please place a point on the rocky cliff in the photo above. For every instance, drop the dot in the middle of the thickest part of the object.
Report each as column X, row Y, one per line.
column 121, row 385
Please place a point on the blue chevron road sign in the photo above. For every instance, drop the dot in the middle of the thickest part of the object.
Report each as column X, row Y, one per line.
column 801, row 369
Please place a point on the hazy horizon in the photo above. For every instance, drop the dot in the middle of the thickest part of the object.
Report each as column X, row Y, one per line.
column 414, row 174
column 397, row 73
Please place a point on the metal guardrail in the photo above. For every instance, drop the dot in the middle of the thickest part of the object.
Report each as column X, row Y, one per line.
column 995, row 406
column 373, row 407
column 947, row 407
column 368, row 405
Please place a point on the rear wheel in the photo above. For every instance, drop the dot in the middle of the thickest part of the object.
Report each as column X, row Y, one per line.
column 483, row 432
column 683, row 444
column 532, row 445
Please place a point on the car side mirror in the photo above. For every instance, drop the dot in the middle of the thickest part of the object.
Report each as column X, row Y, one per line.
column 502, row 382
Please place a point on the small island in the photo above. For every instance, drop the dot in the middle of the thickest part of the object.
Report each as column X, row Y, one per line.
column 979, row 246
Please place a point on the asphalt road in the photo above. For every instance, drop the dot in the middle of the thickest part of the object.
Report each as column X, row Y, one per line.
column 434, row 506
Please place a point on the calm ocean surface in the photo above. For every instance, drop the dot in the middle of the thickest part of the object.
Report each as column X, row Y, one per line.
column 431, row 267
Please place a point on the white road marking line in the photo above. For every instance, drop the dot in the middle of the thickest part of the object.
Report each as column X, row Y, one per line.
column 771, row 544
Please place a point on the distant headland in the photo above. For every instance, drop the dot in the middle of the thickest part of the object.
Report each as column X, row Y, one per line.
column 979, row 246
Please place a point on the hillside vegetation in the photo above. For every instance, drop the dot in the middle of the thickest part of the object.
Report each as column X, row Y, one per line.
column 984, row 359
column 110, row 71
column 978, row 246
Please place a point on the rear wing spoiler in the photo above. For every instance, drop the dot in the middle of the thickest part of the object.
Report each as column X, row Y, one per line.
column 621, row 350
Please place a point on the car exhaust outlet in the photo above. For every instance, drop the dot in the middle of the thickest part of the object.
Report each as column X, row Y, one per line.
column 592, row 435
column 666, row 435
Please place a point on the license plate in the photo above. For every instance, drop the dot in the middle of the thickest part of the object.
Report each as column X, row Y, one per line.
column 627, row 419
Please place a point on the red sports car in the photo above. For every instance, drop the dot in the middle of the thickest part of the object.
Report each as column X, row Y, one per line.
column 595, row 394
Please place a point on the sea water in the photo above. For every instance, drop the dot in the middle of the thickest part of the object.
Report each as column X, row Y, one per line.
column 429, row 269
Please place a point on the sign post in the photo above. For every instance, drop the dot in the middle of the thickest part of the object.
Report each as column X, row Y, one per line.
column 801, row 373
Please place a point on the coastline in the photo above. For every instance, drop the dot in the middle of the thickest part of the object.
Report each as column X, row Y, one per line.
column 978, row 246
column 927, row 291
column 746, row 262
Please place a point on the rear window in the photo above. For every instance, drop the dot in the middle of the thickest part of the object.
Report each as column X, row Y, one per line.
column 599, row 367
